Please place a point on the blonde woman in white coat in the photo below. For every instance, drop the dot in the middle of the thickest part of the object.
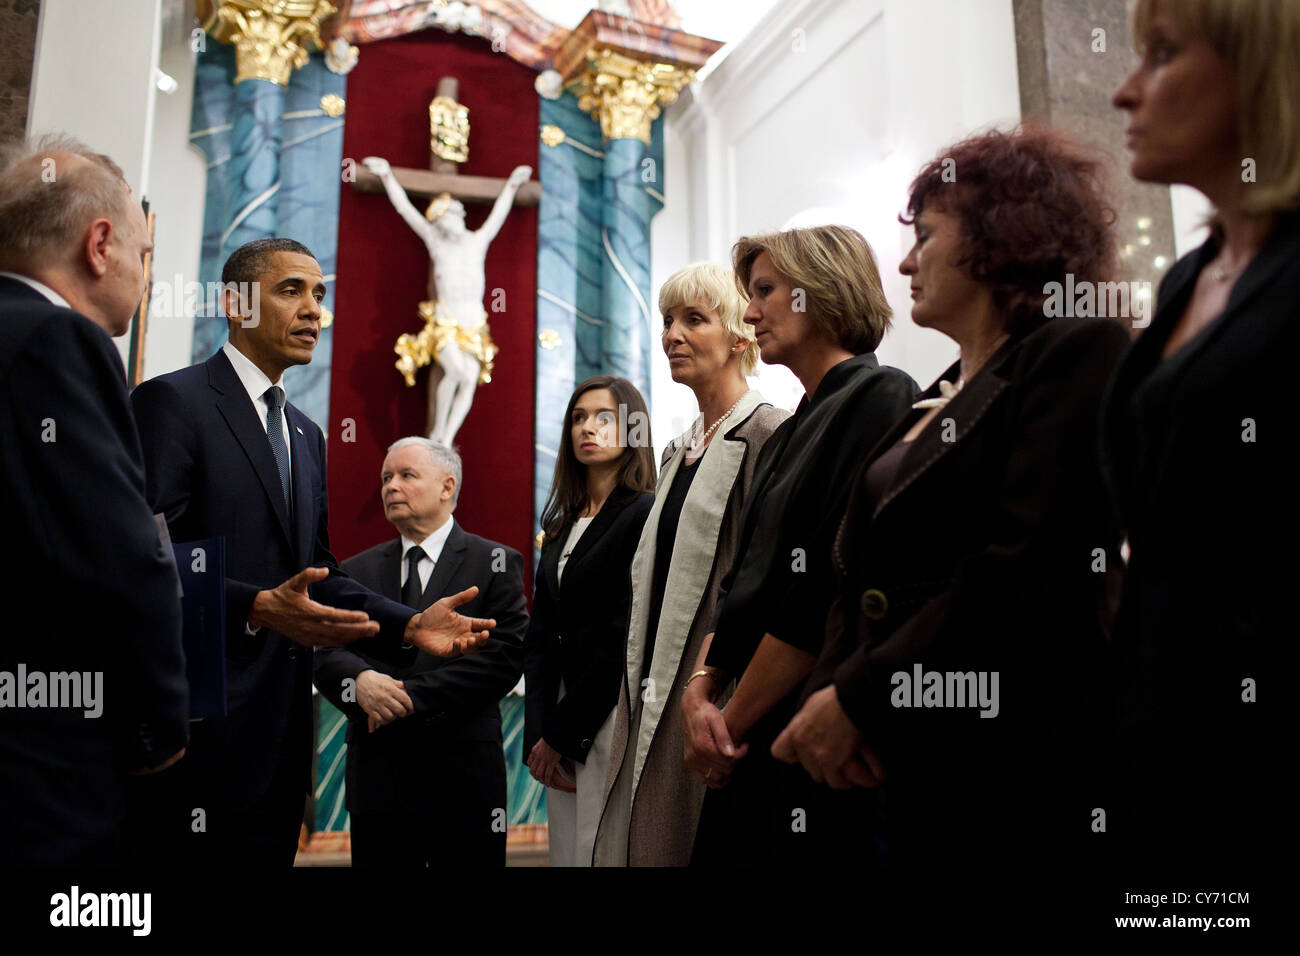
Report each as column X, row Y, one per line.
column 687, row 545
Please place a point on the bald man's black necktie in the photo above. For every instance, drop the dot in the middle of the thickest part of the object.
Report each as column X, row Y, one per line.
column 411, row 591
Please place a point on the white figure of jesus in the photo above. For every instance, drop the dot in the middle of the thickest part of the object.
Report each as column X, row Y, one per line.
column 458, row 256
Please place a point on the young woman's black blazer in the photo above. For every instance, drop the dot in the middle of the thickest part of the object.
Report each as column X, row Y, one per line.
column 578, row 629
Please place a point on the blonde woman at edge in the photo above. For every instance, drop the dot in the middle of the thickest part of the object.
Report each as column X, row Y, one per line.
column 652, row 804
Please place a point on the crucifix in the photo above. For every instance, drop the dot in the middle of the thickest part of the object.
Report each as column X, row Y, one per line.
column 455, row 336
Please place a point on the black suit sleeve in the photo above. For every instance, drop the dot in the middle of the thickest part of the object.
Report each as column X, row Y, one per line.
column 806, row 589
column 99, row 532
column 170, row 461
column 340, row 590
column 469, row 684
column 579, row 715
column 1051, row 467
column 331, row 666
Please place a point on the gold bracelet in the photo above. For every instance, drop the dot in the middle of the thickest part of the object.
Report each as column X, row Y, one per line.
column 703, row 673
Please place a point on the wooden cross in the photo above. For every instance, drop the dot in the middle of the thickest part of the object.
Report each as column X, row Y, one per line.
column 443, row 176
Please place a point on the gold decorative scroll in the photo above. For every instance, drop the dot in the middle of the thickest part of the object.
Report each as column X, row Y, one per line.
column 449, row 129
column 271, row 37
column 626, row 95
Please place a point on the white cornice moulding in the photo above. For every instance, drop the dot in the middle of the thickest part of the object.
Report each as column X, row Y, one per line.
column 770, row 39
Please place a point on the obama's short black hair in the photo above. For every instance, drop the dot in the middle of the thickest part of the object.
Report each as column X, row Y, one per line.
column 247, row 263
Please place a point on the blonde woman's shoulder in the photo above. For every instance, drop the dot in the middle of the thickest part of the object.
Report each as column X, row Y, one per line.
column 760, row 423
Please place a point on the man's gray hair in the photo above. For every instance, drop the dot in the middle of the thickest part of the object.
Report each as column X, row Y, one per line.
column 445, row 458
column 46, row 202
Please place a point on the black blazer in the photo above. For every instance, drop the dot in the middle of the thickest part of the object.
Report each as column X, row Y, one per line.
column 210, row 470
column 780, row 582
column 1199, row 454
column 578, row 630
column 980, row 556
column 455, row 699
column 86, row 587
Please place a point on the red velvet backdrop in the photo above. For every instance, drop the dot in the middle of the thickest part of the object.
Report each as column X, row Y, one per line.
column 383, row 272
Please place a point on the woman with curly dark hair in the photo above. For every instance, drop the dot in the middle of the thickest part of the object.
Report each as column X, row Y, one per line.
column 977, row 560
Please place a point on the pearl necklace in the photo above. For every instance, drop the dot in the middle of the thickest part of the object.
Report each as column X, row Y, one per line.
column 698, row 442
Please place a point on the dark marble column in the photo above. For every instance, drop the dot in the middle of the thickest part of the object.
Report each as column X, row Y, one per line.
column 18, row 41
column 1073, row 56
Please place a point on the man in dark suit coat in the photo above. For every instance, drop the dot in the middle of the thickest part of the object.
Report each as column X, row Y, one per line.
column 225, row 455
column 87, row 589
column 426, row 773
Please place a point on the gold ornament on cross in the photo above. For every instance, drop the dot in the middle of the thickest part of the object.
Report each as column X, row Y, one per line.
column 449, row 129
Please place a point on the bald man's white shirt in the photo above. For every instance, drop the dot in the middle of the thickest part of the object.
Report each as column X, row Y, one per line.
column 40, row 287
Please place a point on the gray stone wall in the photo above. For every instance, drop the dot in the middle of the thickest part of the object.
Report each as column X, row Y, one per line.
column 17, row 49
column 1073, row 56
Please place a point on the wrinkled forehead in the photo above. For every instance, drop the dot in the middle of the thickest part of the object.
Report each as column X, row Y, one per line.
column 412, row 457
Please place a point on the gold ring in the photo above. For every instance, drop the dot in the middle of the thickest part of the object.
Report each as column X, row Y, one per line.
column 708, row 773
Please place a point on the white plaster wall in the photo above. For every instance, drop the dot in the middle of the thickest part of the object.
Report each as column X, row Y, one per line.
column 1191, row 210
column 824, row 114
column 93, row 77
column 178, row 181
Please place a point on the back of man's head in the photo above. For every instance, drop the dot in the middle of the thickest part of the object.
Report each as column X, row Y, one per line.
column 51, row 189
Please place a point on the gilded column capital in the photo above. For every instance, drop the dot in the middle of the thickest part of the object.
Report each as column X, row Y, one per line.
column 627, row 94
column 271, row 37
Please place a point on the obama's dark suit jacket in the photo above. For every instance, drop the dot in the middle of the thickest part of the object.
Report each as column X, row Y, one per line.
column 210, row 470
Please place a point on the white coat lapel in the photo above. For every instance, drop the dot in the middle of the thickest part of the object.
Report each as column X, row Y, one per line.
column 689, row 574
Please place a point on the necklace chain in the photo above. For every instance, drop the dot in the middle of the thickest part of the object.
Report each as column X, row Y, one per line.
column 698, row 442
column 1220, row 272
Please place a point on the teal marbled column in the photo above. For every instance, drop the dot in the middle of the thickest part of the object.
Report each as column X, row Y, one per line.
column 238, row 128
column 570, row 277
column 311, row 154
column 630, row 185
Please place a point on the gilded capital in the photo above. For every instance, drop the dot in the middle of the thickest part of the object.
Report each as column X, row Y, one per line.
column 271, row 37
column 627, row 94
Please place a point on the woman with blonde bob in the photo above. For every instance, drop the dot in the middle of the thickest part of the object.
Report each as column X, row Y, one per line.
column 1198, row 432
column 689, row 540
column 816, row 306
